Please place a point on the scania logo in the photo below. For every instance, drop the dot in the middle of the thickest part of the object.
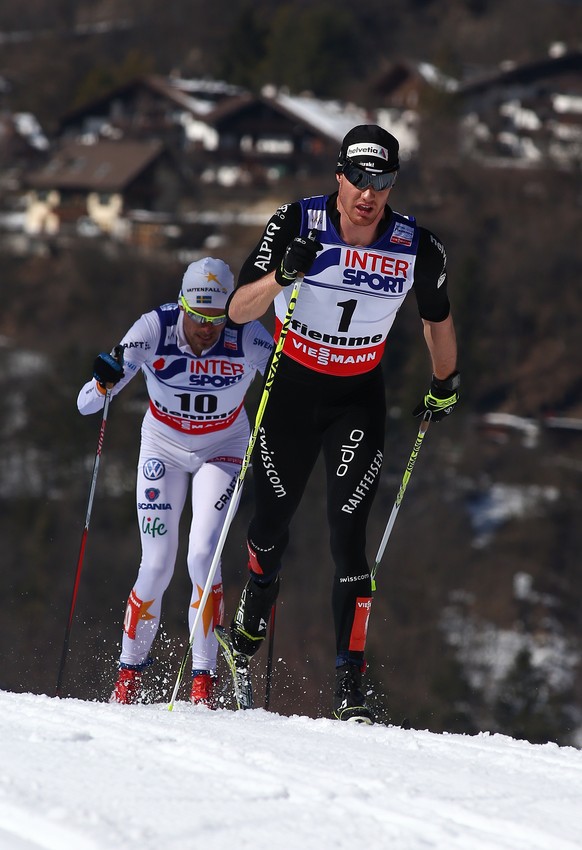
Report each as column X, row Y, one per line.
column 151, row 494
column 153, row 469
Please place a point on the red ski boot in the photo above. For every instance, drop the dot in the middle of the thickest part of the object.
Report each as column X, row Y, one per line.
column 127, row 687
column 202, row 692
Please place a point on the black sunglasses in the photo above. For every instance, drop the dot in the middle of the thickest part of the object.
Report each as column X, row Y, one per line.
column 362, row 180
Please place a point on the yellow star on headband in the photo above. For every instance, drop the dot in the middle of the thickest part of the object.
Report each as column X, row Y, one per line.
column 212, row 277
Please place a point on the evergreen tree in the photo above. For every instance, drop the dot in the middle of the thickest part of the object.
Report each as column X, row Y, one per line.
column 526, row 706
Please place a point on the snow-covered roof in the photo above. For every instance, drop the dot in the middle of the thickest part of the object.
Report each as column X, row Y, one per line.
column 330, row 117
column 567, row 103
column 436, row 78
column 529, row 427
column 28, row 127
column 205, row 86
column 199, row 96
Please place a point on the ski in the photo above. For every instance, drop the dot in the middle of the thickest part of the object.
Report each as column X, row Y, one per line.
column 354, row 714
column 238, row 664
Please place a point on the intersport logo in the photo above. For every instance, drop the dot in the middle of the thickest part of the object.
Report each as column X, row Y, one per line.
column 380, row 272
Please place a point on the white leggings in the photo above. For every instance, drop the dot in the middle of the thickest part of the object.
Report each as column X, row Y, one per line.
column 166, row 469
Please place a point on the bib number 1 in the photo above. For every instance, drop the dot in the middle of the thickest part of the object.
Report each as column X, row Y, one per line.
column 348, row 308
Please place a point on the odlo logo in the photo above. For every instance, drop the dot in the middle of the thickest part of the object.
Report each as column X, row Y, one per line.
column 348, row 452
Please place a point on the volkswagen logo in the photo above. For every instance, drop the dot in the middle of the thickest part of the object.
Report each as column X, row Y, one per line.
column 153, row 469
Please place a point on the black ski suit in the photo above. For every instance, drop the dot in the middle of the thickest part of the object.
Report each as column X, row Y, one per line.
column 328, row 394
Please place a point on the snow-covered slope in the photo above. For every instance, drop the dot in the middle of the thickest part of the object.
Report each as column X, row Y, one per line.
column 76, row 775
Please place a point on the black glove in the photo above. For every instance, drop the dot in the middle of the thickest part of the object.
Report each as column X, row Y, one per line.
column 298, row 259
column 108, row 368
column 441, row 399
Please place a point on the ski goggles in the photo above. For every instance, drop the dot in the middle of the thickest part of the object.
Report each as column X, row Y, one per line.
column 200, row 318
column 363, row 180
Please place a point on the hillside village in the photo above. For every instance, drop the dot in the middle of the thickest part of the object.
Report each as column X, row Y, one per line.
column 130, row 164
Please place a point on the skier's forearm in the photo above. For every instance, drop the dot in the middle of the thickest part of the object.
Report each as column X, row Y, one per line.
column 253, row 300
column 442, row 345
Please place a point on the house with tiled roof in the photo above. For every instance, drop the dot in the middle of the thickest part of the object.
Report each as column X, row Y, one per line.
column 101, row 181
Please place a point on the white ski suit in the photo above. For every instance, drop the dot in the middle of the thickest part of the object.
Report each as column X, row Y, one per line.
column 195, row 432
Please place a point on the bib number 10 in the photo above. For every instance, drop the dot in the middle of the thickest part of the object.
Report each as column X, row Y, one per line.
column 203, row 403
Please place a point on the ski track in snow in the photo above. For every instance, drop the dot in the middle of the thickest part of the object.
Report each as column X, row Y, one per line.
column 76, row 775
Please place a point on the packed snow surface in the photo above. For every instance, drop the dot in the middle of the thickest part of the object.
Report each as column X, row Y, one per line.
column 78, row 775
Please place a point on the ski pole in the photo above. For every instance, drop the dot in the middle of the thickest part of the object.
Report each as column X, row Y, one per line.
column 396, row 507
column 83, row 542
column 269, row 678
column 240, row 480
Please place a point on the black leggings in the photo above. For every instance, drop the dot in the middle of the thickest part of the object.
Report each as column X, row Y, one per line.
column 344, row 417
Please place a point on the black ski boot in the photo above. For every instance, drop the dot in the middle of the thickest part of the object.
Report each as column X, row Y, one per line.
column 349, row 702
column 251, row 618
column 247, row 631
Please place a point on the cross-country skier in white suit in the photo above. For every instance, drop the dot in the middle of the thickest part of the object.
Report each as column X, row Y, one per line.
column 197, row 366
